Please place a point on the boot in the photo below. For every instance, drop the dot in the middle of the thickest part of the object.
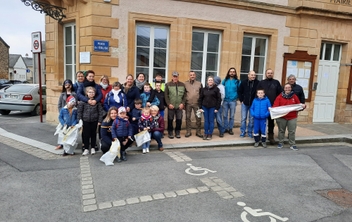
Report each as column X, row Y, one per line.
column 123, row 155
column 188, row 133
column 171, row 135
column 178, row 136
column 271, row 138
column 199, row 133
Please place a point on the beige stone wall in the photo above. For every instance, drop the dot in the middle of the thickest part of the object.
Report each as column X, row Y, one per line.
column 4, row 61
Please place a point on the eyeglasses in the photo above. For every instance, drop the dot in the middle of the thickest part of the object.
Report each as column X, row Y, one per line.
column 91, row 92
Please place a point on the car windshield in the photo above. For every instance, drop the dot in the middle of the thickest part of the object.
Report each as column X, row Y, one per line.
column 2, row 81
column 19, row 88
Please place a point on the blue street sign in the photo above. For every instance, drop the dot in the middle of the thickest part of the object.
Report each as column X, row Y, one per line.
column 27, row 70
column 101, row 46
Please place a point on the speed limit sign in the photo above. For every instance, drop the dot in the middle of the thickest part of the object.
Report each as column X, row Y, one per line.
column 36, row 42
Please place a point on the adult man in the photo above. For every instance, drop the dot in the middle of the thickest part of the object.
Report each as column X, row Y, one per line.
column 246, row 95
column 193, row 88
column 175, row 97
column 231, row 84
column 272, row 88
column 297, row 89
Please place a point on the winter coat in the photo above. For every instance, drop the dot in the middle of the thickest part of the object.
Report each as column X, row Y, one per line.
column 66, row 118
column 105, row 131
column 89, row 113
column 272, row 88
column 231, row 88
column 110, row 101
column 121, row 128
column 131, row 95
column 159, row 124
column 136, row 113
column 210, row 97
column 161, row 96
column 193, row 91
column 260, row 108
column 298, row 90
column 62, row 99
column 76, row 85
column 283, row 100
column 145, row 98
column 247, row 91
column 175, row 94
column 82, row 92
column 145, row 122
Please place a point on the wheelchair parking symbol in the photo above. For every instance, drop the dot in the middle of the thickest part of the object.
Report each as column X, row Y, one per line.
column 197, row 171
column 258, row 213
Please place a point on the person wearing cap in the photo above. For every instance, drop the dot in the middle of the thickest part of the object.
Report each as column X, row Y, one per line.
column 246, row 95
column 219, row 117
column 122, row 130
column 68, row 116
column 175, row 98
column 67, row 90
column 193, row 90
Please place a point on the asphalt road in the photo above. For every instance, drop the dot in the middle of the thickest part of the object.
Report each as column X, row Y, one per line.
column 158, row 187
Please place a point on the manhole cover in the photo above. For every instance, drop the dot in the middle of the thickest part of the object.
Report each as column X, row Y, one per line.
column 341, row 197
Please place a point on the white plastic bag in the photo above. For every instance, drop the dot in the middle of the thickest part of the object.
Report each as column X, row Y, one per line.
column 68, row 136
column 109, row 157
column 280, row 111
column 142, row 137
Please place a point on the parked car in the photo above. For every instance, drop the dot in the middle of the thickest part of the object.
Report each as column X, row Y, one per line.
column 22, row 97
column 5, row 82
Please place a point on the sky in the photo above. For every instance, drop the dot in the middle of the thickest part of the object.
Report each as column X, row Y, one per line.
column 17, row 23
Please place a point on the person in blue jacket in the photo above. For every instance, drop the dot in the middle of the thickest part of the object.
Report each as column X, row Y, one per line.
column 115, row 98
column 260, row 111
column 122, row 130
column 231, row 84
column 89, row 81
column 145, row 96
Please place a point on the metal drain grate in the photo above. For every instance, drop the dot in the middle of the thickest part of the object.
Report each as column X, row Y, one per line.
column 341, row 197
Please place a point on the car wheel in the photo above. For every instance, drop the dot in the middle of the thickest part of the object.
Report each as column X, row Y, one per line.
column 36, row 111
column 5, row 112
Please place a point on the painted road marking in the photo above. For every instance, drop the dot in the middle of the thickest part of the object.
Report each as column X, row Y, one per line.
column 178, row 156
column 192, row 169
column 258, row 213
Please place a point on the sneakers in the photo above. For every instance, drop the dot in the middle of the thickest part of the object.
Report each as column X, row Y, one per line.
column 188, row 134
column 85, row 152
column 199, row 135
column 205, row 136
column 147, row 150
column 293, row 148
column 178, row 136
column 209, row 137
column 279, row 146
column 243, row 135
column 171, row 135
column 256, row 144
column 230, row 132
column 92, row 151
column 144, row 151
column 161, row 148
column 250, row 135
column 264, row 144
column 221, row 135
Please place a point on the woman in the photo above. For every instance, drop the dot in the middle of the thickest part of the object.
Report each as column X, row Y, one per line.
column 131, row 92
column 209, row 103
column 289, row 121
column 105, row 131
column 115, row 98
column 140, row 81
column 89, row 81
column 159, row 126
column 105, row 87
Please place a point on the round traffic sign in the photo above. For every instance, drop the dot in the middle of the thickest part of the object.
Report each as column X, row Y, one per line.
column 36, row 44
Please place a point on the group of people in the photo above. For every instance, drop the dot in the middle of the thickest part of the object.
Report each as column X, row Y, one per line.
column 120, row 111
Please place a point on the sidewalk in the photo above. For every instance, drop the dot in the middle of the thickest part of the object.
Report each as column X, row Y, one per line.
column 41, row 135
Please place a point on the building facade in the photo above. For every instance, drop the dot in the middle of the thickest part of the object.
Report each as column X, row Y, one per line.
column 4, row 59
column 307, row 38
column 17, row 68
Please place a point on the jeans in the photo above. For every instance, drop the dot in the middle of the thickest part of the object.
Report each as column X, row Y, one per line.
column 220, row 121
column 209, row 116
column 147, row 144
column 229, row 121
column 157, row 136
column 244, row 113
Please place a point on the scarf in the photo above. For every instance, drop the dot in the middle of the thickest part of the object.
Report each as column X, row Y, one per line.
column 156, row 120
column 287, row 96
column 116, row 95
column 104, row 86
column 87, row 83
column 126, row 88
column 139, row 84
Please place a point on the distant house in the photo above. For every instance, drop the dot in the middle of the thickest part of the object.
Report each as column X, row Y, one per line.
column 17, row 68
column 4, row 59
column 29, row 63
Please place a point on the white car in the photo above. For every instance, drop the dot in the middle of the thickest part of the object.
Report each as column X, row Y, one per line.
column 22, row 97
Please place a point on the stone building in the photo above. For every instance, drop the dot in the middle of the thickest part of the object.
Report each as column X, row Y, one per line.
column 4, row 59
column 308, row 38
column 17, row 68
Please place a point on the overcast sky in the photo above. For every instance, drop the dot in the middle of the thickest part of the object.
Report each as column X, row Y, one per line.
column 17, row 23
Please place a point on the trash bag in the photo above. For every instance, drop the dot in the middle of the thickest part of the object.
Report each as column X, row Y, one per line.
column 109, row 157
column 142, row 137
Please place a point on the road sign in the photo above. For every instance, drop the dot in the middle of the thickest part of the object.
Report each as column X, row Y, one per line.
column 101, row 46
column 36, row 42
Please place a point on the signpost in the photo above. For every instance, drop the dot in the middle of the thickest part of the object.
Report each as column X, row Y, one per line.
column 37, row 49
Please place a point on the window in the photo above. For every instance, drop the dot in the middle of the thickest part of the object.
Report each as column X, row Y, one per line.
column 330, row 52
column 205, row 54
column 70, row 51
column 254, row 52
column 151, row 50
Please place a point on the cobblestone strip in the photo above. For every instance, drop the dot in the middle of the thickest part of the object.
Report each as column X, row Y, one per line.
column 178, row 156
column 89, row 201
column 42, row 154
column 223, row 189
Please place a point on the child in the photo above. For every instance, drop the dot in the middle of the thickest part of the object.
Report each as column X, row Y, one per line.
column 158, row 78
column 146, row 122
column 116, row 97
column 68, row 118
column 91, row 115
column 122, row 130
column 159, row 93
column 136, row 114
column 260, row 111
column 146, row 95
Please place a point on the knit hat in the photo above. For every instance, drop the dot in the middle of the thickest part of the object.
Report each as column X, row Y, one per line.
column 71, row 99
column 122, row 110
column 217, row 80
